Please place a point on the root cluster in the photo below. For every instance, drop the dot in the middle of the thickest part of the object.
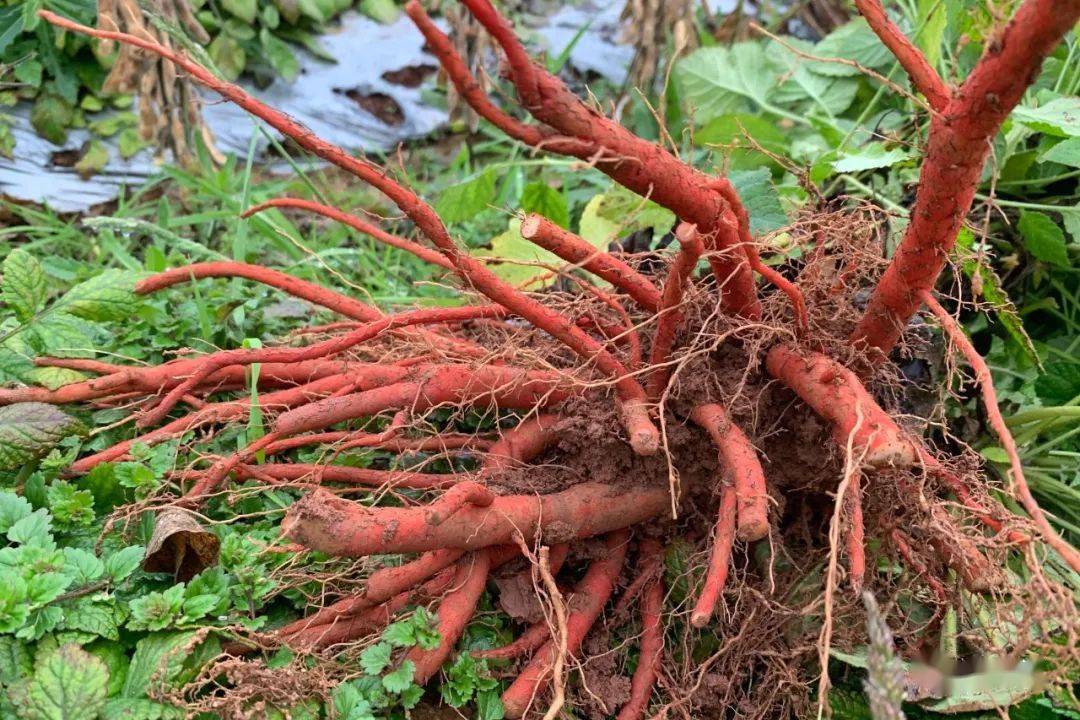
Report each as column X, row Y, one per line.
column 745, row 450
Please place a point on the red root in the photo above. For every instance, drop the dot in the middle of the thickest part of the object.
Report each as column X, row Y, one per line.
column 577, row 251
column 855, row 537
column 836, row 394
column 652, row 643
column 740, row 463
column 324, row 522
column 454, row 612
column 719, row 560
column 997, row 422
column 244, row 357
column 960, row 139
column 363, row 226
column 670, row 311
column 590, row 596
column 316, row 294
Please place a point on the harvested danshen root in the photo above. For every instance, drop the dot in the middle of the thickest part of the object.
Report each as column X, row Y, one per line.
column 607, row 414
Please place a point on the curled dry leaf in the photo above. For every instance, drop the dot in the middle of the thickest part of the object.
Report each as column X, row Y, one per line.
column 180, row 545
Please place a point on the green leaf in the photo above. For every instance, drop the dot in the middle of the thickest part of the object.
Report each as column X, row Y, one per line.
column 853, row 40
column 383, row 11
column 987, row 285
column 932, row 20
column 130, row 142
column 489, row 706
column 24, row 289
column 14, row 610
column 12, row 509
column 29, row 431
column 227, row 56
column 804, row 87
column 762, row 202
column 243, row 9
column 43, row 588
column 62, row 335
column 123, row 708
column 34, row 529
column 986, row 691
column 513, row 259
column 466, row 199
column 68, row 684
column 104, row 297
column 158, row 659
column 1043, row 238
column 51, row 116
column 279, row 54
column 400, row 634
column 400, row 679
column 53, row 377
column 1066, row 152
column 93, row 617
column 82, row 566
column 1059, row 383
column 93, row 160
column 69, row 505
column 718, row 80
column 870, row 157
column 375, row 658
column 122, row 563
column 1059, row 117
column 542, row 199
column 15, row 661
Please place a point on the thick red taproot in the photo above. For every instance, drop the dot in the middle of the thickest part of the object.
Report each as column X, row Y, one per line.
column 323, row 521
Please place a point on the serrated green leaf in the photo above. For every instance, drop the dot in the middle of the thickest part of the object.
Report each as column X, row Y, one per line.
column 400, row 679
column 542, row 199
column 12, row 509
column 375, row 658
column 806, row 89
column 400, row 634
column 29, row 431
column 465, row 200
column 489, row 706
column 34, row 529
column 123, row 708
column 68, row 684
column 158, row 659
column 99, row 618
column 82, row 566
column 104, row 297
column 15, row 661
column 719, row 80
column 24, row 288
column 1043, row 238
column 120, row 564
column 43, row 588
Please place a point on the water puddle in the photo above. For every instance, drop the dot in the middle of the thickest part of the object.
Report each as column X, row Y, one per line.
column 371, row 99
